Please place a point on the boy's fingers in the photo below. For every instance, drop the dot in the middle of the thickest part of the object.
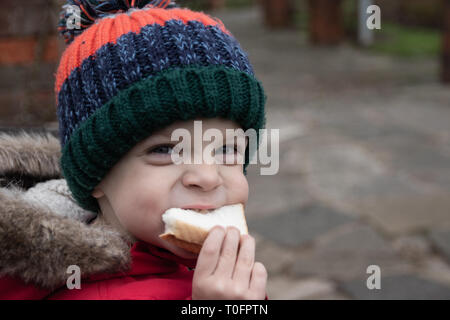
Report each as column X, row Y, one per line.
column 258, row 281
column 245, row 260
column 209, row 254
column 227, row 258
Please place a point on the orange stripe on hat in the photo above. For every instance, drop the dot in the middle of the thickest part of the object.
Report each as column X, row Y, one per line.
column 109, row 29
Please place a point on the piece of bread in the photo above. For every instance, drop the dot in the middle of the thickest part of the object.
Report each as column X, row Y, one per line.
column 188, row 229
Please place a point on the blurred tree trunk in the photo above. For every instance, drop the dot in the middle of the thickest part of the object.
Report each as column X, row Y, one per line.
column 325, row 22
column 446, row 44
column 278, row 13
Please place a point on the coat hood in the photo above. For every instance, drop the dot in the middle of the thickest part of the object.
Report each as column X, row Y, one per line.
column 42, row 229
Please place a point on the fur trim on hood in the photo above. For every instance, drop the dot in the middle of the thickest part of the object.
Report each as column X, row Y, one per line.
column 28, row 158
column 42, row 229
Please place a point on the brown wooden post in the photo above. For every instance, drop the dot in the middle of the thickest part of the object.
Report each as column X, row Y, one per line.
column 325, row 22
column 215, row 4
column 278, row 13
column 446, row 44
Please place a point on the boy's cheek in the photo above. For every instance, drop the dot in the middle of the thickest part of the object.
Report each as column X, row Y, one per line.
column 146, row 225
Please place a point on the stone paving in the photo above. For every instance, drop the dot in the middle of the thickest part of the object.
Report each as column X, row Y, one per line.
column 364, row 172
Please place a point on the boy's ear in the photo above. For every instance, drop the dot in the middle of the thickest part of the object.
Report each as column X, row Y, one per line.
column 97, row 193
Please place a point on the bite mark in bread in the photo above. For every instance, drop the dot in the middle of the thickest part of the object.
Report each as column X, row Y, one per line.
column 188, row 229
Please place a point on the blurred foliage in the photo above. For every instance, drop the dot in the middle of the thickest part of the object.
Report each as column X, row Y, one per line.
column 406, row 41
column 349, row 18
column 401, row 34
column 301, row 21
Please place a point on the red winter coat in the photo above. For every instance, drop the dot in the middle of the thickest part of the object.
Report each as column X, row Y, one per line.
column 43, row 232
column 155, row 274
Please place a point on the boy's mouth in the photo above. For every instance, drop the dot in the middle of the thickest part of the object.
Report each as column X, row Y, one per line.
column 200, row 208
column 203, row 211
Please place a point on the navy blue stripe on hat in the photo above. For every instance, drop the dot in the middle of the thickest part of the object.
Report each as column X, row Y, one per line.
column 115, row 67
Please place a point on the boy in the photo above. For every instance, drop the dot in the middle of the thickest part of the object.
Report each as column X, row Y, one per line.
column 123, row 86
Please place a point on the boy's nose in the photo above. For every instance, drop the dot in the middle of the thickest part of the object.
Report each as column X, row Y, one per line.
column 205, row 176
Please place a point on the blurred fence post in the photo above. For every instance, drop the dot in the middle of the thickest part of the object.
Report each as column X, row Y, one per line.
column 325, row 23
column 215, row 4
column 278, row 13
column 365, row 36
column 446, row 44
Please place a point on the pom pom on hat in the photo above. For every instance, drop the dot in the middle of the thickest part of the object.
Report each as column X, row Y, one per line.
column 78, row 15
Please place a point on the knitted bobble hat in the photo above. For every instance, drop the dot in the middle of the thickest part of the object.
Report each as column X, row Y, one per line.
column 133, row 67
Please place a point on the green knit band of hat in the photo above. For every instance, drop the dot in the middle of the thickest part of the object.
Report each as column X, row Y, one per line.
column 175, row 94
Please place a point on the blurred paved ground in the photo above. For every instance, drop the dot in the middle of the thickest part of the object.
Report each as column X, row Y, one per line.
column 364, row 169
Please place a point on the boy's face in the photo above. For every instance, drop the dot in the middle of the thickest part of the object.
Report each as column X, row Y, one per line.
column 145, row 183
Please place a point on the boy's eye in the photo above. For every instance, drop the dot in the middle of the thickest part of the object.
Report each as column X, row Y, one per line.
column 164, row 149
column 230, row 153
column 228, row 149
column 161, row 149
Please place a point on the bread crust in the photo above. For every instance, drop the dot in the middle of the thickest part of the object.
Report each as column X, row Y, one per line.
column 187, row 236
column 191, row 237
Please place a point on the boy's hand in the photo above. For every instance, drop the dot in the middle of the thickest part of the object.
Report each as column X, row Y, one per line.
column 226, row 268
